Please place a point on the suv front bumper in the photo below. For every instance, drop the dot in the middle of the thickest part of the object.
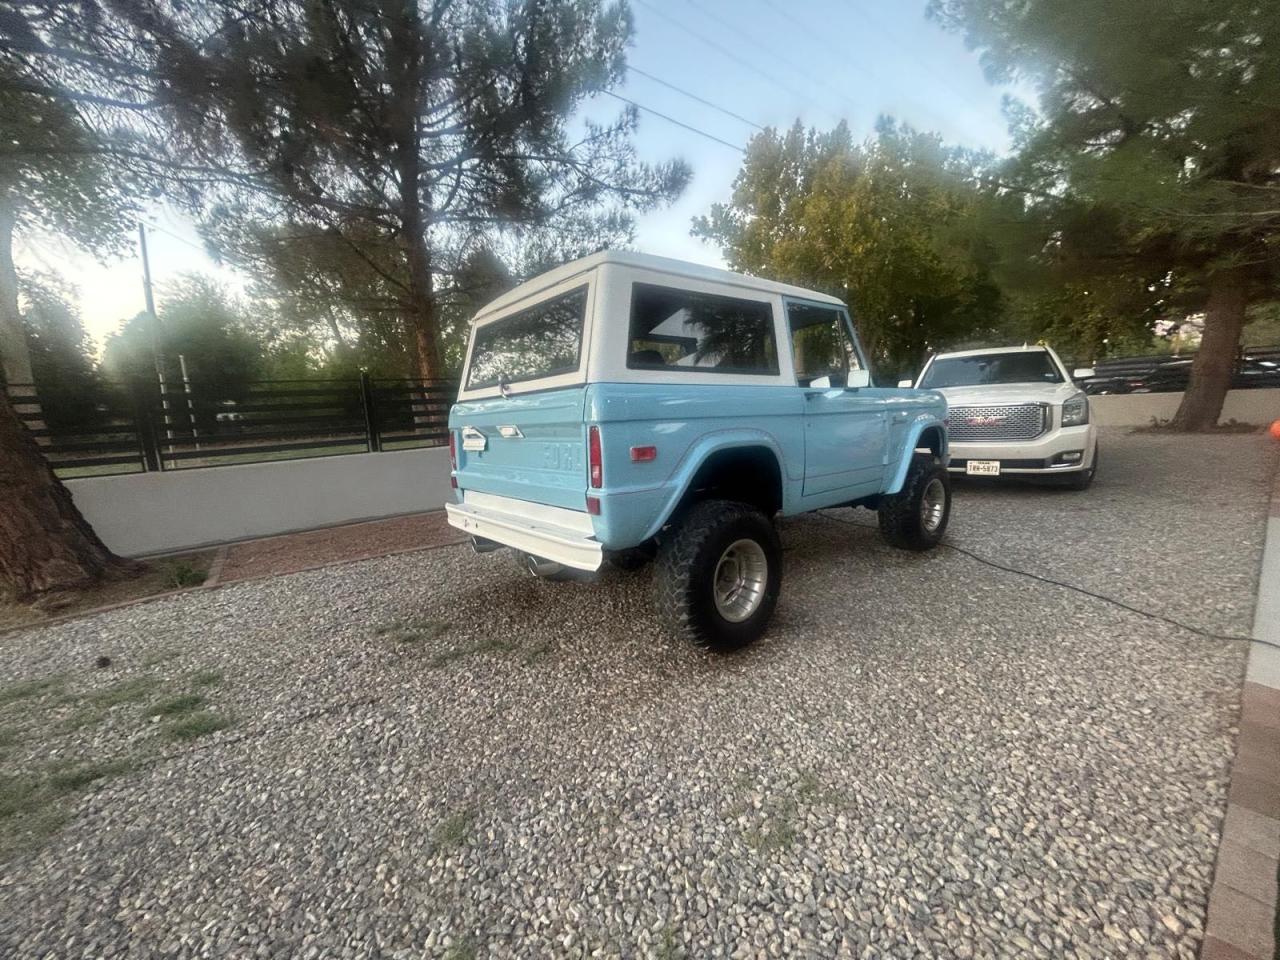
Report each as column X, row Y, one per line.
column 1037, row 456
column 552, row 533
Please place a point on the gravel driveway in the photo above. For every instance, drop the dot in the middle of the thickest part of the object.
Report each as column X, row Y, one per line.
column 925, row 756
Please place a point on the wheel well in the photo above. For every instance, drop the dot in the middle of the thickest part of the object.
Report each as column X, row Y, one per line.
column 931, row 440
column 746, row 474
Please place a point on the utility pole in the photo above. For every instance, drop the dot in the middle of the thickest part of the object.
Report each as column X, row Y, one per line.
column 157, row 354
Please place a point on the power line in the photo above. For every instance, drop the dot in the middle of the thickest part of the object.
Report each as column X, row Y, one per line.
column 694, row 96
column 723, row 50
column 169, row 233
column 883, row 28
column 678, row 123
column 819, row 37
column 772, row 51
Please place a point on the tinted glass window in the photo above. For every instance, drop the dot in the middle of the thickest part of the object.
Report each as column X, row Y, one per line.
column 542, row 341
column 1032, row 367
column 675, row 329
column 820, row 344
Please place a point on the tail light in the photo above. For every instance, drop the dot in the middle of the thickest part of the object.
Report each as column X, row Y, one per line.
column 594, row 459
column 453, row 459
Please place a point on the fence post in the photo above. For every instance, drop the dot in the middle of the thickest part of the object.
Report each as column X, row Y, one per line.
column 145, row 427
column 368, row 402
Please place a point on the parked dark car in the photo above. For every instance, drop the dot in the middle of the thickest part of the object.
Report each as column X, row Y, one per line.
column 1259, row 367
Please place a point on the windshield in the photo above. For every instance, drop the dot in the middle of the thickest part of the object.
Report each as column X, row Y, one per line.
column 985, row 368
column 541, row 341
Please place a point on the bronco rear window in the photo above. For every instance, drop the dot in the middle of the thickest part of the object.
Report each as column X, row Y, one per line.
column 540, row 341
column 674, row 329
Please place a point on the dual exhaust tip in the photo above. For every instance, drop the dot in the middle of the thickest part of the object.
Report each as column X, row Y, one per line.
column 537, row 566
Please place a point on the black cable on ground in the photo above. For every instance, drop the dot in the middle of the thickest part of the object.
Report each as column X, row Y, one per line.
column 1208, row 634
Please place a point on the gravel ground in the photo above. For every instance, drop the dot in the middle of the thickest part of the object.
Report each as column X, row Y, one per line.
column 926, row 756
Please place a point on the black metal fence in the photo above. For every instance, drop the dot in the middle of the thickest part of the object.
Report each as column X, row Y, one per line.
column 137, row 427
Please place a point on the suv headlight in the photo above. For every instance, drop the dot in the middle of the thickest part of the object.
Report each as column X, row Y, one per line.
column 1075, row 411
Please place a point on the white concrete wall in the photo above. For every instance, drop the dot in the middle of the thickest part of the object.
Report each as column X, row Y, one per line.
column 155, row 512
column 1137, row 409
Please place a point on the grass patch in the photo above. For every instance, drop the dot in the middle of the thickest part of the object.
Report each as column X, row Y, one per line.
column 414, row 631
column 163, row 656
column 464, row 949
column 537, row 652
column 488, row 645
column 29, row 689
column 126, row 691
column 33, row 805
column 453, row 830
column 85, row 716
column 72, row 777
column 205, row 678
column 777, row 834
column 669, row 948
column 183, row 573
column 176, row 706
column 196, row 725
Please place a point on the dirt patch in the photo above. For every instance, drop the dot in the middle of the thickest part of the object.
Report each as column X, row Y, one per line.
column 353, row 541
column 159, row 576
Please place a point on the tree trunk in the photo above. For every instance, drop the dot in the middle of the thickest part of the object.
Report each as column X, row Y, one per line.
column 45, row 544
column 13, row 340
column 1216, row 359
column 407, row 56
column 424, row 316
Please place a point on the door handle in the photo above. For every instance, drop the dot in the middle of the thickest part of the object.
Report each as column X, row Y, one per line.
column 900, row 416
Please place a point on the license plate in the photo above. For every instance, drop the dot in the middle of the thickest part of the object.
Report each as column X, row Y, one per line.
column 982, row 468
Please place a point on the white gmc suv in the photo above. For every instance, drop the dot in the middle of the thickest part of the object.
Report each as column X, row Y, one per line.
column 1014, row 410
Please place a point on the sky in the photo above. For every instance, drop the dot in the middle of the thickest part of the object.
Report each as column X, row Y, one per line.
column 770, row 62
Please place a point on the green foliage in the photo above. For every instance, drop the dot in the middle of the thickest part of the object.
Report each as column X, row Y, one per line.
column 55, row 174
column 889, row 225
column 199, row 320
column 61, row 351
column 1151, row 171
column 184, row 574
column 434, row 129
column 28, row 689
column 1263, row 328
column 176, row 706
column 195, row 725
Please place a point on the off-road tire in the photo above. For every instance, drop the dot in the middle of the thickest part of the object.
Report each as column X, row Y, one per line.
column 686, row 566
column 1082, row 479
column 901, row 517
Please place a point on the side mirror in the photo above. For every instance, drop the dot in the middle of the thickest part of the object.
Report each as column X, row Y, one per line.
column 905, row 384
column 858, row 378
column 1084, row 373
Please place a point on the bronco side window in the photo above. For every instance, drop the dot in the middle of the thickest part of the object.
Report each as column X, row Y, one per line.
column 679, row 330
column 821, row 345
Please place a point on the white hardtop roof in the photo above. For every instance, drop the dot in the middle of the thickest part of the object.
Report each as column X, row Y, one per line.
column 1025, row 348
column 647, row 261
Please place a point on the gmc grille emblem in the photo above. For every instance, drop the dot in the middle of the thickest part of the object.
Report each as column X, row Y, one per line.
column 985, row 421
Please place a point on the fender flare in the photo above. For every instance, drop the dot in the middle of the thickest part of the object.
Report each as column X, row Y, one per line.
column 917, row 427
column 701, row 450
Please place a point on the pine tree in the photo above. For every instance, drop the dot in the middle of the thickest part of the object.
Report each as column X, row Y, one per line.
column 1160, row 122
column 400, row 131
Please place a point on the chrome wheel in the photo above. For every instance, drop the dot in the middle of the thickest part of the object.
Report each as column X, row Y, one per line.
column 740, row 580
column 933, row 505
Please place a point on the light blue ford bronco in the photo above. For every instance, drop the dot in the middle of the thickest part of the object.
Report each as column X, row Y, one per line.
column 626, row 408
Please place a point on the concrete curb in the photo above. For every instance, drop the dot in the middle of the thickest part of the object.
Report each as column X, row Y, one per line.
column 1242, row 903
